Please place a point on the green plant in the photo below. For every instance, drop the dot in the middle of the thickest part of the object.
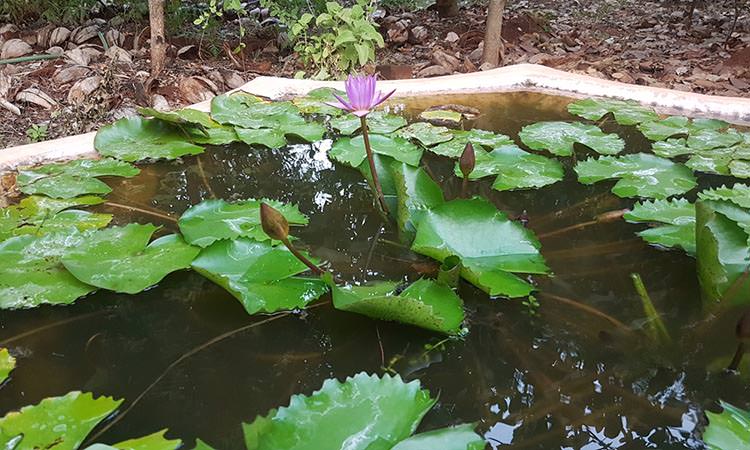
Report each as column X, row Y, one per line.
column 37, row 133
column 216, row 11
column 337, row 41
column 289, row 11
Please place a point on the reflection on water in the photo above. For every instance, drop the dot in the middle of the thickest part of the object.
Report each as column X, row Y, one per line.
column 557, row 376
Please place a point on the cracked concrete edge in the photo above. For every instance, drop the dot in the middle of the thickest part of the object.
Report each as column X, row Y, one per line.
column 517, row 78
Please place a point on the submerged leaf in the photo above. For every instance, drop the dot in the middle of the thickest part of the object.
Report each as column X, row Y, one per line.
column 262, row 277
column 426, row 133
column 674, row 219
column 459, row 437
column 515, row 168
column 213, row 220
column 7, row 364
column 57, row 423
column 625, row 112
column 136, row 139
column 559, row 138
column 640, row 175
column 74, row 178
column 351, row 151
column 729, row 430
column 365, row 412
column 122, row 260
column 491, row 246
column 378, row 122
column 478, row 138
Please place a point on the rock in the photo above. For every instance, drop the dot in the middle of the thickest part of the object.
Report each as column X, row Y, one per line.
column 83, row 88
column 187, row 51
column 159, row 103
column 441, row 58
column 476, row 54
column 29, row 38
column 15, row 48
column 37, row 97
column 451, row 37
column 55, row 51
column 195, row 90
column 231, row 78
column 77, row 56
column 70, row 74
column 118, row 54
column 433, row 71
column 83, row 34
column 418, row 35
column 58, row 36
column 43, row 34
column 398, row 33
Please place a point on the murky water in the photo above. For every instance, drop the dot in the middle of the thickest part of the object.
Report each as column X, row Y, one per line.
column 560, row 376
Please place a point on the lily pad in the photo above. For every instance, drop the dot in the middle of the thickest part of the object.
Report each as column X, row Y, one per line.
column 122, row 260
column 74, row 178
column 385, row 176
column 315, row 102
column 425, row 304
column 477, row 137
column 416, row 193
column 728, row 430
column 136, row 139
column 363, row 413
column 378, row 122
column 733, row 160
column 673, row 223
column 57, row 423
column 31, row 273
column 155, row 441
column 308, row 131
column 213, row 220
column 625, row 112
column 219, row 135
column 7, row 364
column 446, row 116
column 662, row 129
column 197, row 125
column 262, row 277
column 710, row 139
column 426, row 133
column 491, row 247
column 247, row 111
column 351, row 151
column 559, row 138
column 515, row 168
column 640, row 175
column 459, row 437
column 269, row 137
column 40, row 215
column 739, row 194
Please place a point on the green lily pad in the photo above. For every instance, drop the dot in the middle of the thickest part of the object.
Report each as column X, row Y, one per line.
column 459, row 437
column 7, row 364
column 739, row 194
column 662, row 129
column 219, row 135
column 446, row 116
column 197, row 125
column 262, row 277
column 57, row 423
column 40, row 215
column 31, row 273
column 351, row 151
column 426, row 134
column 308, row 131
column 315, row 102
column 416, row 193
column 559, row 138
column 213, row 220
column 137, row 139
column 366, row 412
column 729, row 430
column 733, row 160
column 378, row 122
column 269, row 137
column 710, row 139
column 478, row 138
column 155, row 441
column 625, row 112
column 515, row 168
column 425, row 304
column 122, row 260
column 673, row 220
column 640, row 175
column 247, row 111
column 385, row 176
column 74, row 178
column 491, row 246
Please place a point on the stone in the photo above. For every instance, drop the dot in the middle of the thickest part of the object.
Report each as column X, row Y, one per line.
column 15, row 48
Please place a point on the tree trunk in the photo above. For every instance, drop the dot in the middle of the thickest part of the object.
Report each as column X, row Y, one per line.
column 493, row 41
column 158, row 42
column 447, row 8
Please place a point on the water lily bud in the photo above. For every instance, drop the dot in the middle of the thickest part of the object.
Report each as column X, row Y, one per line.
column 743, row 327
column 273, row 222
column 468, row 160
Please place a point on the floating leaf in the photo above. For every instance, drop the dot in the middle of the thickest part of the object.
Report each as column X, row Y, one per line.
column 155, row 441
column 188, row 117
column 122, row 260
column 559, row 138
column 247, row 111
column 57, row 423
column 315, row 102
column 378, row 122
column 446, row 116
column 416, row 193
column 424, row 304
column 31, row 273
column 269, row 137
column 136, row 139
column 477, row 137
column 625, row 112
column 385, row 176
column 710, row 139
column 674, row 220
column 662, row 129
column 351, row 151
column 426, row 133
column 308, row 131
column 729, row 430
column 515, row 168
column 7, row 364
column 739, row 194
column 459, row 437
column 261, row 276
column 640, row 175
column 491, row 246
column 365, row 412
column 40, row 215
column 213, row 220
column 74, row 178
column 734, row 160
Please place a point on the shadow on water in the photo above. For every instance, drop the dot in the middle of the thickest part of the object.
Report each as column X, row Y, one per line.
column 559, row 376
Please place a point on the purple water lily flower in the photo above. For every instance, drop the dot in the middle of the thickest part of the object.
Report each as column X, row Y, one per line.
column 363, row 97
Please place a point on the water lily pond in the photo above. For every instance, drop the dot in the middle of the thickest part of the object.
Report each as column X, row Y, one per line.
column 580, row 291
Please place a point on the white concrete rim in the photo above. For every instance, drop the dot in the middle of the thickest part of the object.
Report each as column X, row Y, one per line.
column 517, row 78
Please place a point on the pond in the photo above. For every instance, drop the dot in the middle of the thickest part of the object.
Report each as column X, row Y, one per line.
column 573, row 368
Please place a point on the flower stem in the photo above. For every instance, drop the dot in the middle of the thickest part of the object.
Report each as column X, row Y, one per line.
column 371, row 160
column 315, row 269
